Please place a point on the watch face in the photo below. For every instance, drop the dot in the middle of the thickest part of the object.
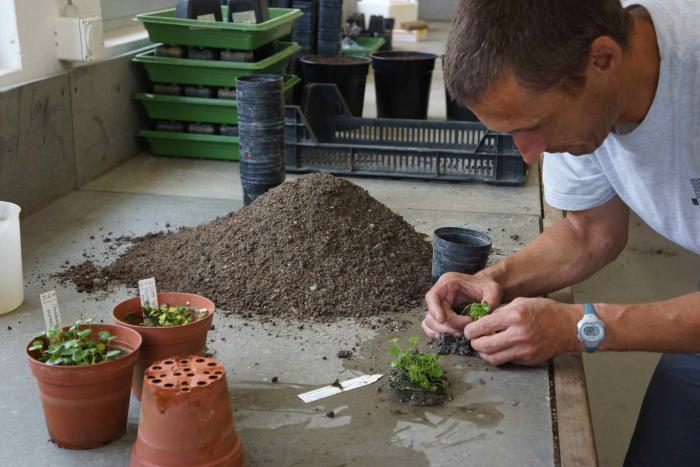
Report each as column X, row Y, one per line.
column 592, row 333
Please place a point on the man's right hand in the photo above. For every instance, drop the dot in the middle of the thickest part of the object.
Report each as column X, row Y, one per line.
column 456, row 289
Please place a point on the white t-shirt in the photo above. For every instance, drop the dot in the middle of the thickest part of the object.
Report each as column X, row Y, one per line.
column 655, row 168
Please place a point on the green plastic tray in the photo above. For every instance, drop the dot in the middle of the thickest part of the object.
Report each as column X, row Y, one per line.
column 212, row 72
column 163, row 26
column 168, row 143
column 367, row 46
column 197, row 109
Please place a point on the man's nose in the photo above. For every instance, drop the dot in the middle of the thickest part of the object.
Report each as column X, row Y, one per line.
column 530, row 146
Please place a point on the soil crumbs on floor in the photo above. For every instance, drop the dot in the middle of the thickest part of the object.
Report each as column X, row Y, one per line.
column 318, row 248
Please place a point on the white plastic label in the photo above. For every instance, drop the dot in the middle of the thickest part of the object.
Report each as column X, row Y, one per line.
column 148, row 292
column 245, row 17
column 52, row 315
column 347, row 385
column 207, row 17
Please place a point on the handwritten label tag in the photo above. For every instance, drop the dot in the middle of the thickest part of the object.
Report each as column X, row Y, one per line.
column 347, row 385
column 245, row 17
column 207, row 17
column 52, row 314
column 148, row 292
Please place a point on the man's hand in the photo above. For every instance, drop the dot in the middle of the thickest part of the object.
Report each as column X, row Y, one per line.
column 456, row 289
column 527, row 331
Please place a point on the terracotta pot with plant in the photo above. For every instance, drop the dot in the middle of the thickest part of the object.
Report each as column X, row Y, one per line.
column 186, row 416
column 84, row 375
column 178, row 326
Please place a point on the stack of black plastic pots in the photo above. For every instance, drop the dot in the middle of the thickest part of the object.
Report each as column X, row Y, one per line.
column 261, row 132
column 456, row 249
column 330, row 19
column 305, row 28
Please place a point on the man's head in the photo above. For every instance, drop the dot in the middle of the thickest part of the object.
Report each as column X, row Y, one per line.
column 546, row 71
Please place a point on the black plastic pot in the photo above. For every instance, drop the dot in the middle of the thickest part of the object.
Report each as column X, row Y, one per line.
column 455, row 111
column 194, row 9
column 260, row 7
column 348, row 73
column 456, row 249
column 260, row 101
column 402, row 81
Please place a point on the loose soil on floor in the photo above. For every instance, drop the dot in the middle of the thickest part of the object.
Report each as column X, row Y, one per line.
column 319, row 248
column 447, row 344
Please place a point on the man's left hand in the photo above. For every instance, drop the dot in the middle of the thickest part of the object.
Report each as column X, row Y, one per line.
column 527, row 331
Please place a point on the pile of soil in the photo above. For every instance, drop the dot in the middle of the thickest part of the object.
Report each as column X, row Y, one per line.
column 318, row 247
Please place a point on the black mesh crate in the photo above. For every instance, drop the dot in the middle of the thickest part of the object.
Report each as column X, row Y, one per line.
column 325, row 137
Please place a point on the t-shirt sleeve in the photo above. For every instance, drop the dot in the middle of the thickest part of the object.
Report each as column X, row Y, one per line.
column 574, row 183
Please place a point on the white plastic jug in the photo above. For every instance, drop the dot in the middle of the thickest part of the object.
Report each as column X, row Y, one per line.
column 11, row 281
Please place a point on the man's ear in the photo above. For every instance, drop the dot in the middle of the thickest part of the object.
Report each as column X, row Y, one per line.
column 605, row 56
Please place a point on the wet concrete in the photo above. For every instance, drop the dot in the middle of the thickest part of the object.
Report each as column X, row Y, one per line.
column 497, row 416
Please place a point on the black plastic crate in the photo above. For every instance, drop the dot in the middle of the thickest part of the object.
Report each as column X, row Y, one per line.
column 324, row 136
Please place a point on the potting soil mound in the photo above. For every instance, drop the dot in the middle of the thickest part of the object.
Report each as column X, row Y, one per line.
column 318, row 247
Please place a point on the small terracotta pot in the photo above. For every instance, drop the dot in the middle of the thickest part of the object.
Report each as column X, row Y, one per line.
column 186, row 416
column 87, row 406
column 161, row 343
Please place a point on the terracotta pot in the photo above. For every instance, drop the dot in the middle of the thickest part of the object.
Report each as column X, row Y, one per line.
column 86, row 406
column 161, row 343
column 186, row 416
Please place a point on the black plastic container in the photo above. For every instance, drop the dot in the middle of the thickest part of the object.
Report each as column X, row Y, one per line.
column 244, row 7
column 455, row 111
column 388, row 35
column 198, row 9
column 402, row 81
column 348, row 73
column 260, row 101
column 330, row 18
column 456, row 249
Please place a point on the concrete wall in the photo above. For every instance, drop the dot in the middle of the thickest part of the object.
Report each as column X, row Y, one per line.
column 58, row 133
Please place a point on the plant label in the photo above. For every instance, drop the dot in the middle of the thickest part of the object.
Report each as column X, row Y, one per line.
column 148, row 292
column 52, row 314
column 245, row 17
column 347, row 385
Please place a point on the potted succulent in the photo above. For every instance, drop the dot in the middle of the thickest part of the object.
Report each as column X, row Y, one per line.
column 84, row 374
column 186, row 416
column 448, row 344
column 417, row 378
column 177, row 327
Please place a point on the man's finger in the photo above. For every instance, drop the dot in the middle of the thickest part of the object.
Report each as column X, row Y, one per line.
column 488, row 325
column 441, row 328
column 499, row 358
column 435, row 300
column 495, row 343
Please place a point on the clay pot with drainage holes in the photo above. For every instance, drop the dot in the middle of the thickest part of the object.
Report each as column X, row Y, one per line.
column 163, row 342
column 186, row 416
column 86, row 407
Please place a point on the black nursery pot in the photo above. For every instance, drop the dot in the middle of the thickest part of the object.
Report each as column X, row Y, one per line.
column 402, row 80
column 261, row 134
column 456, row 249
column 349, row 74
column 455, row 111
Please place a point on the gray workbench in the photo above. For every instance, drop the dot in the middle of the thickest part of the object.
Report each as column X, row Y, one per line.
column 499, row 416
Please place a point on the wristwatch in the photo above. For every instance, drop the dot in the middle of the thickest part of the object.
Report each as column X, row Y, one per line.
column 591, row 329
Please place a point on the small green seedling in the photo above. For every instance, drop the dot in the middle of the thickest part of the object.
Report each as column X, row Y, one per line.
column 168, row 316
column 421, row 370
column 75, row 346
column 474, row 310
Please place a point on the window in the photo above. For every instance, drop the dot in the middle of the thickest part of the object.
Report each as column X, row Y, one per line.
column 10, row 56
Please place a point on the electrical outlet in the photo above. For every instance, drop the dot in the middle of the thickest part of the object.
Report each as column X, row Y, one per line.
column 78, row 39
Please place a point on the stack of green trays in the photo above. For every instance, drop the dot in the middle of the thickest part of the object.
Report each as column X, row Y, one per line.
column 164, row 27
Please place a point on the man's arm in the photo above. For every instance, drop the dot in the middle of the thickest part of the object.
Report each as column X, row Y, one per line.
column 567, row 253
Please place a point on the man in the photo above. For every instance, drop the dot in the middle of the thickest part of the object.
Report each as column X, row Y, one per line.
column 612, row 96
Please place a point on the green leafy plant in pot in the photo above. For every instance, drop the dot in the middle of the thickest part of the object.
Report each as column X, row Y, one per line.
column 84, row 374
column 177, row 327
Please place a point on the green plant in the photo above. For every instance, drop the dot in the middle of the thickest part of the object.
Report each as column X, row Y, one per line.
column 474, row 310
column 421, row 370
column 75, row 346
column 168, row 316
